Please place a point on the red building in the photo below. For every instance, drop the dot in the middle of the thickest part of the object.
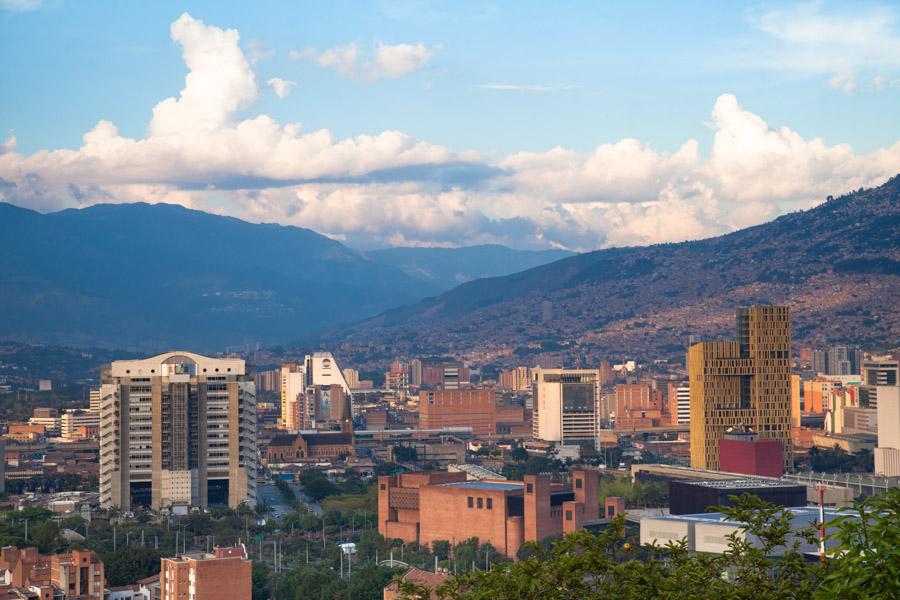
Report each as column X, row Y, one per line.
column 640, row 406
column 475, row 408
column 741, row 451
column 430, row 506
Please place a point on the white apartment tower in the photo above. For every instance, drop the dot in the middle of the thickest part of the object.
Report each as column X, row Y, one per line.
column 566, row 405
column 177, row 430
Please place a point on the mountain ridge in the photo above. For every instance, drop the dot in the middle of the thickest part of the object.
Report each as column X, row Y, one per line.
column 449, row 267
column 848, row 245
column 151, row 276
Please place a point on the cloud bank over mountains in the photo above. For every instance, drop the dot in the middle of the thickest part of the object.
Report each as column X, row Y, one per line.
column 390, row 188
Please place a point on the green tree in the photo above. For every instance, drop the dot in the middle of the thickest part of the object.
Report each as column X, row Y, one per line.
column 866, row 561
column 441, row 549
column 127, row 565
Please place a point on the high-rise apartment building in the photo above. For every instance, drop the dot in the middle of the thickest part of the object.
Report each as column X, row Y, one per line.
column 351, row 376
column 566, row 405
column 177, row 430
column 679, row 403
column 293, row 386
column 517, row 379
column 94, row 405
column 746, row 382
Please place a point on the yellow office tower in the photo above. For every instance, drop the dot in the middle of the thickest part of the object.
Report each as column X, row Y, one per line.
column 747, row 382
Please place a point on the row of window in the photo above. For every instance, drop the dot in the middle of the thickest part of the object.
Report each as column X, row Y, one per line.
column 480, row 502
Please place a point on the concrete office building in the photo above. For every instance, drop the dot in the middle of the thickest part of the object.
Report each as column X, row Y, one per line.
column 74, row 419
column 883, row 388
column 177, row 430
column 566, row 403
column 742, row 382
column 877, row 374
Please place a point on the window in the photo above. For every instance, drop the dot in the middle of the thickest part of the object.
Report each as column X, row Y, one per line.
column 490, row 503
column 529, row 488
column 568, row 515
column 471, row 502
column 383, row 486
column 481, row 503
column 578, row 484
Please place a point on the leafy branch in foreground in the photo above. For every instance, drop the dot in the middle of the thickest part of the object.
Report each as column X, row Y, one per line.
column 763, row 561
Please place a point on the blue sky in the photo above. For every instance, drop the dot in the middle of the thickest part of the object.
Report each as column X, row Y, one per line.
column 486, row 82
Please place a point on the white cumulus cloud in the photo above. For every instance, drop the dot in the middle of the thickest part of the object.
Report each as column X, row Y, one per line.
column 281, row 87
column 385, row 61
column 390, row 188
column 845, row 82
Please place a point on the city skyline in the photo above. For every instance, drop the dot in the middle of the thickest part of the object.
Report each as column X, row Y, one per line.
column 388, row 131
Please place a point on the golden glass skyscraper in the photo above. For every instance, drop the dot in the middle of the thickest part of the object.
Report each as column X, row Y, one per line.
column 742, row 382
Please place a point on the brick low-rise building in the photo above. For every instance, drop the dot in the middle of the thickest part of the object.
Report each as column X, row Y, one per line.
column 225, row 574
column 431, row 506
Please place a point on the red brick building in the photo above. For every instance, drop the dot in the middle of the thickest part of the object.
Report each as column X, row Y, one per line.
column 226, row 574
column 431, row 506
column 79, row 575
column 475, row 408
column 640, row 406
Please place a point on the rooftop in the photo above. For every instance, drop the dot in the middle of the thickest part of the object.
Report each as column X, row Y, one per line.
column 801, row 514
column 743, row 483
column 499, row 486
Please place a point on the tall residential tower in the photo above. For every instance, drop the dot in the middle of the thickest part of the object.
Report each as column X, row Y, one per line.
column 746, row 382
column 177, row 430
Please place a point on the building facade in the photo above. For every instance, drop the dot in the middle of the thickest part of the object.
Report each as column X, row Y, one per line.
column 742, row 382
column 177, row 429
column 78, row 574
column 429, row 506
column 566, row 405
column 224, row 574
column 302, row 447
column 315, row 394
column 881, row 379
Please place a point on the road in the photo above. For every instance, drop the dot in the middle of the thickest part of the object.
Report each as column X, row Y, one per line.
column 268, row 493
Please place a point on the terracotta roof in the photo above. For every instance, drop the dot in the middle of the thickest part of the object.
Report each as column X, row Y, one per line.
column 420, row 577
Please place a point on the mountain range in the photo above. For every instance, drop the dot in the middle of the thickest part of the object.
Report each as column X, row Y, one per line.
column 837, row 265
column 152, row 277
column 449, row 267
